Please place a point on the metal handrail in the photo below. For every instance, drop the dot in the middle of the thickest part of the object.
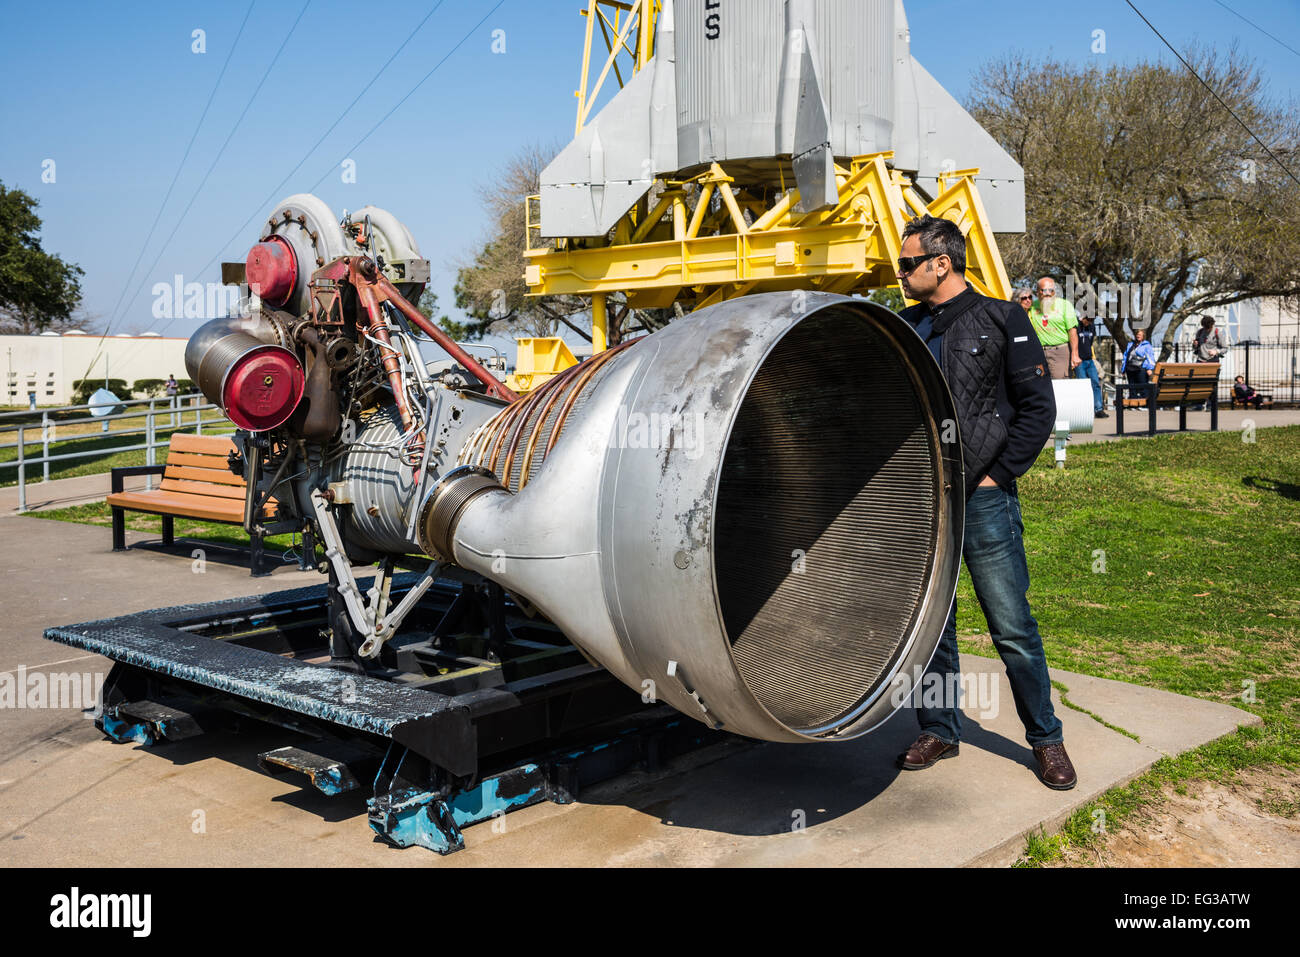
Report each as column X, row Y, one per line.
column 175, row 411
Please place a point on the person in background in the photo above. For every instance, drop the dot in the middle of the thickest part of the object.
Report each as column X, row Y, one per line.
column 1139, row 361
column 1057, row 326
column 171, row 386
column 1024, row 298
column 1245, row 394
column 1209, row 345
column 1087, row 366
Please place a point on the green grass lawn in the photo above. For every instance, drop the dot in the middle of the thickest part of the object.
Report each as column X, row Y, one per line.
column 98, row 513
column 1172, row 562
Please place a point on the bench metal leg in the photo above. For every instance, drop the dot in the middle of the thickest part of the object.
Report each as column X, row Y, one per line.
column 1214, row 409
column 1119, row 409
column 169, row 530
column 119, row 530
column 1151, row 411
column 258, row 557
column 1182, row 417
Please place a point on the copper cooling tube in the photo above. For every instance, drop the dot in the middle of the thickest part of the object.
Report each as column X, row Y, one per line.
column 592, row 367
column 537, row 426
column 518, row 415
column 505, row 434
column 554, row 393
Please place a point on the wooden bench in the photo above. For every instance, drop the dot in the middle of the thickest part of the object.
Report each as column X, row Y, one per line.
column 196, row 483
column 1173, row 384
column 1265, row 403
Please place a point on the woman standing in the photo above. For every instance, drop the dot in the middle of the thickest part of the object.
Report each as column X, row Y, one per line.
column 1139, row 360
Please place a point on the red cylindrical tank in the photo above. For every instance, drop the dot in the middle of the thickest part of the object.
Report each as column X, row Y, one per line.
column 272, row 270
column 263, row 388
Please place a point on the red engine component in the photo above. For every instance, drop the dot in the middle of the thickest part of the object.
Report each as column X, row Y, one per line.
column 272, row 270
column 263, row 388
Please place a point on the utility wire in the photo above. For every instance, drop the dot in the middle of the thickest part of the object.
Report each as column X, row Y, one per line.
column 113, row 316
column 411, row 92
column 262, row 206
column 217, row 158
column 275, row 192
column 1257, row 27
column 306, row 156
column 1215, row 94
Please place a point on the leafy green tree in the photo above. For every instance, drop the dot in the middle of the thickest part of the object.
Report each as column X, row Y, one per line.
column 38, row 290
column 428, row 305
column 1137, row 178
column 890, row 297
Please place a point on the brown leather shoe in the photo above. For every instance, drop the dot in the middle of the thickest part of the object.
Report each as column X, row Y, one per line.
column 925, row 751
column 1054, row 767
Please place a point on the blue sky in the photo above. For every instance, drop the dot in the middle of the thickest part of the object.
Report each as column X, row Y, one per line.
column 113, row 92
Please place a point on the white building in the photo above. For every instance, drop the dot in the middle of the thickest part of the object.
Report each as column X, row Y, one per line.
column 49, row 364
column 1254, row 320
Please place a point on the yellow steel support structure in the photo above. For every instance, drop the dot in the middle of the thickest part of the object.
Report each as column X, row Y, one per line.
column 626, row 27
column 538, row 361
column 703, row 241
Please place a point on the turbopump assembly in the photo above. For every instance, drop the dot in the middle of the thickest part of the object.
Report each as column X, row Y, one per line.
column 752, row 512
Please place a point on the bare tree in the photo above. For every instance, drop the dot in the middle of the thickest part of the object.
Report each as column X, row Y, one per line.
column 1137, row 177
column 490, row 287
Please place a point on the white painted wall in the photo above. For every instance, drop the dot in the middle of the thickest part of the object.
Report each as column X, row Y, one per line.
column 49, row 365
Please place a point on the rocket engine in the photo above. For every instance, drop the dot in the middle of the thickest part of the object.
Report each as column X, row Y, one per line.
column 752, row 515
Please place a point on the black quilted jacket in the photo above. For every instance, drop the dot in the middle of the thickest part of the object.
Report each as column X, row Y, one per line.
column 1006, row 409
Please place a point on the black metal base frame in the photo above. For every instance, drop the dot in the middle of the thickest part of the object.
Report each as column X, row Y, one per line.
column 475, row 709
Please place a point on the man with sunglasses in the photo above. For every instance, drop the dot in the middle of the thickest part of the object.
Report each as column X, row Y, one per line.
column 1006, row 410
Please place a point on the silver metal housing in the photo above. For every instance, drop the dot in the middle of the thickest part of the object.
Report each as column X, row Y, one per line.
column 753, row 516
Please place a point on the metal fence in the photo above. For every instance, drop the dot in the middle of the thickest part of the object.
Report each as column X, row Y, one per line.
column 1272, row 368
column 40, row 428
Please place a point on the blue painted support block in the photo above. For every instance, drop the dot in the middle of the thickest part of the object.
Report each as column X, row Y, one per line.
column 124, row 732
column 411, row 818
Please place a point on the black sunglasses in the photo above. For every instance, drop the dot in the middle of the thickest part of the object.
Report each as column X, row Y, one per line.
column 907, row 264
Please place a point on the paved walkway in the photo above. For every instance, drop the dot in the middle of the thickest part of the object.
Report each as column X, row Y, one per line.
column 1135, row 422
column 68, row 797
column 60, row 493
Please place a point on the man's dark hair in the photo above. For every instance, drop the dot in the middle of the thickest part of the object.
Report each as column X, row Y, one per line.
column 939, row 236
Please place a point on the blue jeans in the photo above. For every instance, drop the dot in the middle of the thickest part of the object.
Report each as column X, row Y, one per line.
column 994, row 551
column 1088, row 370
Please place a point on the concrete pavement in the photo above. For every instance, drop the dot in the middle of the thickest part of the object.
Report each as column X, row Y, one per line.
column 60, row 493
column 70, row 797
column 1230, row 420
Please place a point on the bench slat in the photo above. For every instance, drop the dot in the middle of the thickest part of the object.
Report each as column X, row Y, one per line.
column 224, row 492
column 198, row 460
column 202, row 488
column 220, row 477
column 204, row 444
column 174, row 503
